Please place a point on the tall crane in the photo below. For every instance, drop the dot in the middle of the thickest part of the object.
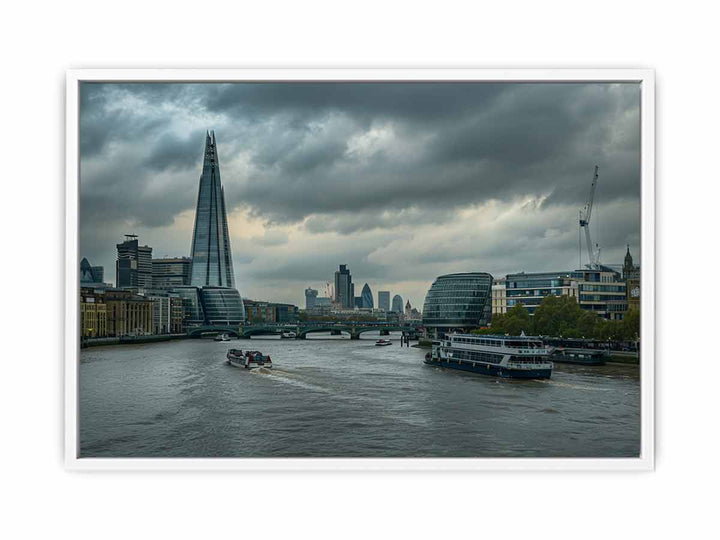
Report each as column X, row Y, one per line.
column 594, row 256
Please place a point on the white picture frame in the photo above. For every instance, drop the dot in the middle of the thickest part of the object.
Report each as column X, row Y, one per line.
column 646, row 459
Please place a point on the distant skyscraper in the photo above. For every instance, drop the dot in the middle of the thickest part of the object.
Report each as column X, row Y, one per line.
column 133, row 267
column 397, row 304
column 310, row 298
column 91, row 274
column 171, row 272
column 211, row 257
column 344, row 288
column 384, row 300
column 367, row 297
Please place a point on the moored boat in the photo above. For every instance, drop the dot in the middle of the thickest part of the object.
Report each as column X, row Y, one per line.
column 248, row 359
column 520, row 357
column 570, row 355
column 383, row 342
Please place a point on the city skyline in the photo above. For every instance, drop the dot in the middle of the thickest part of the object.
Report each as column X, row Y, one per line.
column 493, row 175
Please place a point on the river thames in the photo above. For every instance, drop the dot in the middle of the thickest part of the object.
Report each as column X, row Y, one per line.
column 333, row 397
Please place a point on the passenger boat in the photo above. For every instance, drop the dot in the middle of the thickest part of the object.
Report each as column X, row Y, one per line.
column 521, row 357
column 570, row 355
column 222, row 337
column 288, row 335
column 383, row 342
column 248, row 359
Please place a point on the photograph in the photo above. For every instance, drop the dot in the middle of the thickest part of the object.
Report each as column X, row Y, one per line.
column 404, row 267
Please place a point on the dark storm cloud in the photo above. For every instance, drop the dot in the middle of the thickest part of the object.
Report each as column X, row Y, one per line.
column 357, row 158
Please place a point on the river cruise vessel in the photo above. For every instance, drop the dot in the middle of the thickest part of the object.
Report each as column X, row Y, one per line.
column 288, row 335
column 248, row 359
column 522, row 357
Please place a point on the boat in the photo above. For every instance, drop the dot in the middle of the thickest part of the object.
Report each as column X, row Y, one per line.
column 288, row 335
column 517, row 357
column 571, row 355
column 222, row 337
column 383, row 342
column 248, row 359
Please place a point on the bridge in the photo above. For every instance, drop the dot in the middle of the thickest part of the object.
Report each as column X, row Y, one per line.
column 198, row 331
column 353, row 328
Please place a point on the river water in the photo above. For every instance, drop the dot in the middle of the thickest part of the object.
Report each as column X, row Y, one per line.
column 333, row 397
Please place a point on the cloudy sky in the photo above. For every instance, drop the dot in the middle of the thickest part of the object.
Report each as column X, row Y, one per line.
column 402, row 182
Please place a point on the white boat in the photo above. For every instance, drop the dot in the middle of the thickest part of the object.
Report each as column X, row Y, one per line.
column 222, row 337
column 248, row 359
column 288, row 335
column 383, row 343
column 522, row 357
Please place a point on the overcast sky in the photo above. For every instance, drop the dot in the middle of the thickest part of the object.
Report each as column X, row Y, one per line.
column 402, row 182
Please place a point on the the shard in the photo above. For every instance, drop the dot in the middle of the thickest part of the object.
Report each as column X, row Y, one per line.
column 211, row 256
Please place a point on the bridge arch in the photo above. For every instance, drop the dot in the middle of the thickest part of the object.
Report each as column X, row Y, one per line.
column 302, row 334
column 198, row 331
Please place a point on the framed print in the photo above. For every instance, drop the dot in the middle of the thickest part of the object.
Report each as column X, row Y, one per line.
column 375, row 269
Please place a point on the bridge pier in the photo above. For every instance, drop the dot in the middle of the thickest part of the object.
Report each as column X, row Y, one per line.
column 354, row 335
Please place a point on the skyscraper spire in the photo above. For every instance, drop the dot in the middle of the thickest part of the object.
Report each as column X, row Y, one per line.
column 211, row 254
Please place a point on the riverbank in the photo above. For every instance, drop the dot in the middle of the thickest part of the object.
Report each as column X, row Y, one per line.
column 128, row 340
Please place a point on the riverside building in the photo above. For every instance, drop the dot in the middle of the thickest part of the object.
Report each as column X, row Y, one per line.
column 93, row 313
column 128, row 314
column 499, row 297
column 530, row 289
column 458, row 302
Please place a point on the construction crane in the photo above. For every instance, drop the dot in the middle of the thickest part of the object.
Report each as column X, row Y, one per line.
column 594, row 255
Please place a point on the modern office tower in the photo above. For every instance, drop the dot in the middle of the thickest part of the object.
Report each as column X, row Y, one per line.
column 133, row 267
column 91, row 274
column 397, row 304
column 171, row 272
column 211, row 255
column 367, row 297
column 458, row 302
column 310, row 298
column 344, row 288
column 193, row 314
column 384, row 300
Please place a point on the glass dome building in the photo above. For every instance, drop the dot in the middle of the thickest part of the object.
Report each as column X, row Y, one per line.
column 458, row 301
column 222, row 305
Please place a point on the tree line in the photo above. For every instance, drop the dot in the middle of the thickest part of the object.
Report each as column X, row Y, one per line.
column 561, row 316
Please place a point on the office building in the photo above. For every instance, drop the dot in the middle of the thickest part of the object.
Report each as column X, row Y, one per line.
column 91, row 274
column 397, row 304
column 133, row 268
column 530, row 289
column 344, row 288
column 367, row 297
column 384, row 300
column 310, row 298
column 211, row 255
column 458, row 302
column 168, row 312
column 222, row 306
column 602, row 291
column 171, row 272
column 192, row 311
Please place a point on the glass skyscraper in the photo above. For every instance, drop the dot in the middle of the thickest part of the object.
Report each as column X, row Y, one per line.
column 211, row 256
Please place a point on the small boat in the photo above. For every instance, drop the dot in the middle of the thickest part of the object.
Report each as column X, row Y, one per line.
column 383, row 342
column 222, row 337
column 248, row 359
column 288, row 335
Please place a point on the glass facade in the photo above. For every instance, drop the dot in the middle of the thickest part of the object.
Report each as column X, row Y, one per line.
column 459, row 301
column 397, row 304
column 367, row 297
column 192, row 307
column 222, row 305
column 211, row 255
column 384, row 300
